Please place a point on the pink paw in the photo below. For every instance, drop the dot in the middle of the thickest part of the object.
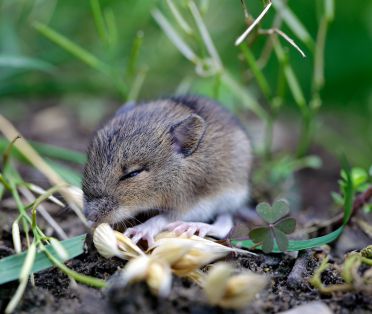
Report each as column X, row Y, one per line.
column 140, row 232
column 147, row 230
column 190, row 228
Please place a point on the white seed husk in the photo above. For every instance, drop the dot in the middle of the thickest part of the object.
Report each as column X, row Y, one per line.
column 127, row 245
column 104, row 240
column 136, row 269
column 215, row 281
column 159, row 278
column 16, row 237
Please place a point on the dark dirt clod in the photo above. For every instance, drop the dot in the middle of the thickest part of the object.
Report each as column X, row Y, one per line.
column 298, row 275
column 138, row 298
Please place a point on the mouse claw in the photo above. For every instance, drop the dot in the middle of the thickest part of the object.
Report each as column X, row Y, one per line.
column 190, row 228
column 146, row 231
column 177, row 227
column 137, row 235
column 129, row 232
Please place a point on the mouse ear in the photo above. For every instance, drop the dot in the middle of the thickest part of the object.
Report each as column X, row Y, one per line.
column 187, row 134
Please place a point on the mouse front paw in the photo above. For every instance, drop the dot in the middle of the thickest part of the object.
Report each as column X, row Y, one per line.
column 190, row 228
column 147, row 230
column 140, row 232
column 219, row 229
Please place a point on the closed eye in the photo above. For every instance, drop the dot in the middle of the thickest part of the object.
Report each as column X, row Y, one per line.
column 131, row 174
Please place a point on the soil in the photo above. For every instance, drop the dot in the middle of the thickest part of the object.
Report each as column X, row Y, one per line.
column 288, row 286
column 54, row 292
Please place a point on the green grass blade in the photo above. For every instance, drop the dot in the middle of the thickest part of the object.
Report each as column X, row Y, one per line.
column 47, row 150
column 260, row 77
column 207, row 40
column 69, row 175
column 169, row 30
column 112, row 31
column 10, row 267
column 78, row 52
column 243, row 95
column 179, row 18
column 25, row 63
column 296, row 245
column 59, row 153
column 329, row 10
column 318, row 77
column 2, row 190
column 98, row 19
column 137, row 85
column 290, row 76
column 134, row 53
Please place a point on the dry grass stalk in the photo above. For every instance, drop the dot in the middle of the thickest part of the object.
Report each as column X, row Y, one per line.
column 10, row 132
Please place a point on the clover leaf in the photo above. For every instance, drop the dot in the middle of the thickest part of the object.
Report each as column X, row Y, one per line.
column 277, row 226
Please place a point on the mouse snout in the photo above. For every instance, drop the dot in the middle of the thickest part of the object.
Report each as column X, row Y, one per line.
column 96, row 208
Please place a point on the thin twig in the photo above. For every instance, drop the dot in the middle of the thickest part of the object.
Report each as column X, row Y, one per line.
column 245, row 10
column 284, row 35
column 268, row 48
column 253, row 25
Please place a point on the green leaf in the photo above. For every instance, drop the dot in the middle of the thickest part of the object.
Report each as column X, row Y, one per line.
column 98, row 19
column 59, row 152
column 297, row 245
column 274, row 213
column 259, row 234
column 281, row 239
column 264, row 210
column 10, row 267
column 359, row 176
column 281, row 207
column 77, row 51
column 337, row 198
column 268, row 242
column 47, row 150
column 71, row 176
column 287, row 225
column 24, row 63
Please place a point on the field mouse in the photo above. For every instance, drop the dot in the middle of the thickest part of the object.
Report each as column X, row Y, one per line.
column 185, row 156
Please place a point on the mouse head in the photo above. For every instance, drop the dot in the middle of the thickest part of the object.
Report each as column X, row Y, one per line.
column 135, row 163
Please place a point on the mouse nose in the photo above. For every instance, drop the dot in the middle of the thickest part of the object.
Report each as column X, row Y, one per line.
column 96, row 208
column 90, row 213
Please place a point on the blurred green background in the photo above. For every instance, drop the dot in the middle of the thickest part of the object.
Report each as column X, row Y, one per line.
column 36, row 73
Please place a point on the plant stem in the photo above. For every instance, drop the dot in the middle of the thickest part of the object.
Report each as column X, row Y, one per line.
column 268, row 137
column 5, row 183
column 306, row 132
column 87, row 280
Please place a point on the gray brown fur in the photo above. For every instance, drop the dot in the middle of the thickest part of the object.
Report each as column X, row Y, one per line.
column 216, row 160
